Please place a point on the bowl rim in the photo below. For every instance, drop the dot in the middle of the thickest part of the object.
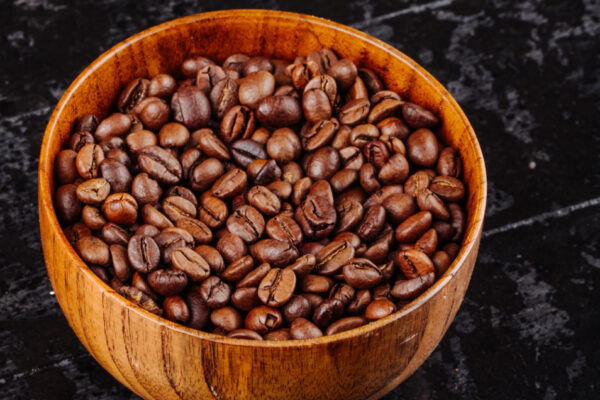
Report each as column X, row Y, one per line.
column 472, row 231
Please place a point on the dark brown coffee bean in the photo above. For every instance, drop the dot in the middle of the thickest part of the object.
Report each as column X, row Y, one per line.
column 372, row 223
column 414, row 263
column 238, row 269
column 246, row 298
column 215, row 292
column 368, row 179
column 441, row 261
column 354, row 112
column 381, row 246
column 418, row 117
column 176, row 310
column 211, row 145
column 352, row 158
column 177, row 207
column 192, row 65
column 316, row 105
column 93, row 191
column 227, row 318
column 141, row 299
column 413, row 227
column 160, row 165
column 247, row 334
column 153, row 112
column 247, row 223
column 253, row 278
column 204, row 174
column 361, row 273
column 316, row 216
column 193, row 264
column 394, row 171
column 199, row 311
column 231, row 247
column 284, row 228
column 237, row 123
column 350, row 215
column 331, row 258
column 150, row 215
column 303, row 265
column 208, row 76
column 93, row 219
column 342, row 292
column 320, row 134
column 345, row 324
column 360, row 302
column 458, row 220
column 428, row 242
column 230, row 185
column 236, row 62
column 449, row 163
column 120, row 208
column 327, row 312
column 87, row 122
column 418, row 180
column 447, row 188
column 301, row 189
column 245, row 151
column 278, row 334
column 212, row 257
column 429, row 201
column 379, row 308
column 344, row 72
column 212, row 211
column 145, row 189
column 264, row 200
column 120, row 262
column 324, row 163
column 191, row 107
column 147, row 230
column 296, row 307
column 64, row 167
column 282, row 189
column 343, row 179
column 350, row 237
column 316, row 284
column 117, row 175
column 93, row 250
column 277, row 287
column 263, row 319
column 372, row 81
column 257, row 63
column 342, row 137
column 408, row 289
column 162, row 85
column 115, row 124
column 301, row 328
column 399, row 206
column 363, row 134
column 88, row 161
column 138, row 140
column 279, row 111
column 275, row 252
column 114, row 234
column 173, row 134
column 376, row 153
column 422, row 148
column 170, row 239
column 143, row 254
column 255, row 87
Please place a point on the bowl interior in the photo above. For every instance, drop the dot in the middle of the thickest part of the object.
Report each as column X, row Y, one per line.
column 275, row 35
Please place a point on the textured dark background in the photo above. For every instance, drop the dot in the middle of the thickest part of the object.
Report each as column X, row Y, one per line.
column 527, row 74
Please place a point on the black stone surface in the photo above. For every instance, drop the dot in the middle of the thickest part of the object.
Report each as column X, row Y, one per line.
column 527, row 74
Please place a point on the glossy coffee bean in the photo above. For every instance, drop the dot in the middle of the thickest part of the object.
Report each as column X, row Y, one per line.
column 413, row 227
column 354, row 112
column 458, row 220
column 238, row 269
column 199, row 311
column 153, row 112
column 231, row 247
column 263, row 319
column 116, row 174
column 284, row 228
column 327, row 312
column 237, row 123
column 114, row 234
column 342, row 292
column 160, row 165
column 227, row 318
column 191, row 107
column 302, row 328
column 331, row 258
column 93, row 250
column 362, row 273
column 64, row 167
column 141, row 299
column 246, row 222
column 296, row 307
column 350, row 214
column 93, row 191
column 230, row 185
column 277, row 287
column 198, row 229
column 145, row 189
column 394, row 171
column 323, row 164
column 316, row 284
column 372, row 223
column 115, row 124
column 422, row 148
column 414, row 263
column 246, row 298
column 379, row 308
column 88, row 161
column 143, row 254
column 418, row 117
column 151, row 215
column 429, row 201
column 212, row 257
column 247, row 334
column 399, row 206
column 215, row 292
column 92, row 218
column 408, row 289
column 368, row 178
column 120, row 208
column 345, row 324
column 449, row 163
column 176, row 309
column 275, row 252
column 303, row 265
column 316, row 216
column 193, row 264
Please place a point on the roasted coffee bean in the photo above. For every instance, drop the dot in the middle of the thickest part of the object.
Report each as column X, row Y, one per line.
column 115, row 124
column 284, row 228
column 414, row 263
column 344, row 72
column 177, row 207
column 162, row 85
column 117, row 175
column 93, row 191
column 263, row 319
column 316, row 284
column 257, row 63
column 212, row 257
column 394, row 171
column 429, row 201
column 192, row 65
column 296, row 307
column 422, row 148
column 302, row 328
column 277, row 287
column 399, row 206
column 447, row 188
column 173, row 134
column 279, row 111
column 300, row 190
column 354, row 112
column 227, row 318
column 238, row 269
column 350, row 214
column 303, row 265
column 170, row 239
column 331, row 258
column 350, row 237
column 368, row 179
column 199, row 311
column 120, row 208
column 449, row 163
column 255, row 87
column 458, row 220
column 320, row 134
column 231, row 247
column 92, row 218
column 363, row 134
column 88, row 161
column 237, row 123
column 114, row 234
column 153, row 112
column 264, row 200
column 193, row 264
column 316, row 105
column 93, row 250
column 145, row 189
column 316, row 216
column 408, row 289
column 342, row 137
column 160, row 165
column 428, row 242
column 245, row 151
column 246, row 298
column 253, row 278
column 352, row 158
column 64, row 167
column 208, row 76
column 372, row 81
column 275, row 252
column 176, row 309
column 282, row 189
column 361, row 273
column 283, row 145
column 380, row 247
column 264, row 172
column 345, row 324
column 384, row 108
column 76, row 231
column 141, row 299
column 372, row 223
column 205, row 173
column 120, row 262
column 360, row 302
column 323, row 164
column 138, row 140
column 215, row 292
column 191, row 107
column 418, row 117
column 413, row 227
column 198, row 229
column 212, row 211
column 150, row 215
column 211, row 145
column 247, row 223
column 327, row 312
column 379, row 308
column 342, row 292
column 247, row 334
column 143, row 254
column 444, row 230
column 230, row 185
column 441, row 261
column 236, row 62
column 292, row 172
column 343, row 179
column 376, row 153
column 87, row 123
column 418, row 180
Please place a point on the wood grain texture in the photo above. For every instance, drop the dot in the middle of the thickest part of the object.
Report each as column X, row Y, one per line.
column 158, row 359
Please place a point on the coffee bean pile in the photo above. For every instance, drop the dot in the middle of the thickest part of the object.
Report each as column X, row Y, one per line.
column 262, row 199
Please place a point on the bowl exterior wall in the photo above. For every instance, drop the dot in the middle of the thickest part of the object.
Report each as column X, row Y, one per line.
column 161, row 360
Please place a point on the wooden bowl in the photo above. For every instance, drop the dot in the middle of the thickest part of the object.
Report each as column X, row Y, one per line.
column 158, row 359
